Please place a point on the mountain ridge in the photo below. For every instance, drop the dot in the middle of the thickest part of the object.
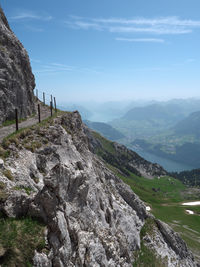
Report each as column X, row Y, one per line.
column 85, row 207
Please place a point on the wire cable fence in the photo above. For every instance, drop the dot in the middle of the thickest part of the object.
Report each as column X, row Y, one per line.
column 45, row 106
column 45, row 98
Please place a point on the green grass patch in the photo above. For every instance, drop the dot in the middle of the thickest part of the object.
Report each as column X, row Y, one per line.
column 11, row 122
column 24, row 132
column 146, row 256
column 107, row 145
column 4, row 153
column 20, row 238
column 28, row 190
column 155, row 191
column 165, row 196
column 33, row 146
column 3, row 194
column 196, row 209
column 8, row 174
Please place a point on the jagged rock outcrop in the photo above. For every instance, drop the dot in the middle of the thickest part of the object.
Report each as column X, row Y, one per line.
column 16, row 79
column 123, row 158
column 92, row 217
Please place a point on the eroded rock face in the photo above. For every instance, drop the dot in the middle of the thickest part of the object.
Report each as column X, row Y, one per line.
column 16, row 78
column 93, row 218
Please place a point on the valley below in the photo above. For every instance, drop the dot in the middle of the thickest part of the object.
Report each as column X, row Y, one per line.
column 169, row 165
column 165, row 197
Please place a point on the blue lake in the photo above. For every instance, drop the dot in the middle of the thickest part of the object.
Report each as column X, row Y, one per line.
column 167, row 164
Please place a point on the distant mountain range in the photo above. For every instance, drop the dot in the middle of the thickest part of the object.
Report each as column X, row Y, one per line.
column 170, row 112
column 167, row 129
column 189, row 126
column 147, row 121
column 181, row 143
column 105, row 129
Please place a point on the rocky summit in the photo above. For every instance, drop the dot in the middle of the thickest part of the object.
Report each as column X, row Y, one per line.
column 91, row 218
column 16, row 78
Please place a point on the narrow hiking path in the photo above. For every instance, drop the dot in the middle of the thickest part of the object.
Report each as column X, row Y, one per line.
column 44, row 111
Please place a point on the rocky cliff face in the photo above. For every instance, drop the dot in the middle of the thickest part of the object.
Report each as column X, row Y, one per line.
column 92, row 217
column 16, row 78
column 121, row 157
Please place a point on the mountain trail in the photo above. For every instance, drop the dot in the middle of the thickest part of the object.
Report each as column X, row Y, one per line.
column 44, row 111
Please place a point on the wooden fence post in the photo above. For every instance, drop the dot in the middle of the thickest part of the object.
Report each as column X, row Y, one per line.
column 44, row 98
column 55, row 104
column 51, row 107
column 16, row 119
column 39, row 113
column 52, row 100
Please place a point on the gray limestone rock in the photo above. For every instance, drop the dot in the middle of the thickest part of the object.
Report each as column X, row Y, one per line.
column 16, row 78
column 92, row 217
column 1, row 163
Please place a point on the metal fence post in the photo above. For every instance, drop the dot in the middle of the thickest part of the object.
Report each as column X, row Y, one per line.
column 39, row 113
column 55, row 104
column 44, row 98
column 16, row 119
column 51, row 107
column 52, row 100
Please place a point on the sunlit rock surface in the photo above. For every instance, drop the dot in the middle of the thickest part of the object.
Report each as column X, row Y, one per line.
column 92, row 217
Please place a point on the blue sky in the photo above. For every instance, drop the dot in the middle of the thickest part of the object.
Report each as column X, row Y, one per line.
column 110, row 49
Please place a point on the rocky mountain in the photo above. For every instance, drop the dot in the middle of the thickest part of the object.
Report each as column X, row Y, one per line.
column 16, row 78
column 105, row 129
column 50, row 174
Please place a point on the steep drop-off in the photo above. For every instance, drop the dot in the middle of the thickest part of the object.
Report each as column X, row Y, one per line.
column 16, row 79
column 92, row 218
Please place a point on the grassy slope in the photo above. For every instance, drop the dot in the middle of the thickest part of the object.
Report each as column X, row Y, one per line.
column 19, row 238
column 164, row 196
column 166, row 206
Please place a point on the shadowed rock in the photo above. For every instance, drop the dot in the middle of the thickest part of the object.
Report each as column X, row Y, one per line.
column 16, row 79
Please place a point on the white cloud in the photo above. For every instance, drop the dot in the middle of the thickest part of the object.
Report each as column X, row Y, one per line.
column 28, row 15
column 175, row 21
column 145, row 40
column 159, row 26
column 53, row 68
